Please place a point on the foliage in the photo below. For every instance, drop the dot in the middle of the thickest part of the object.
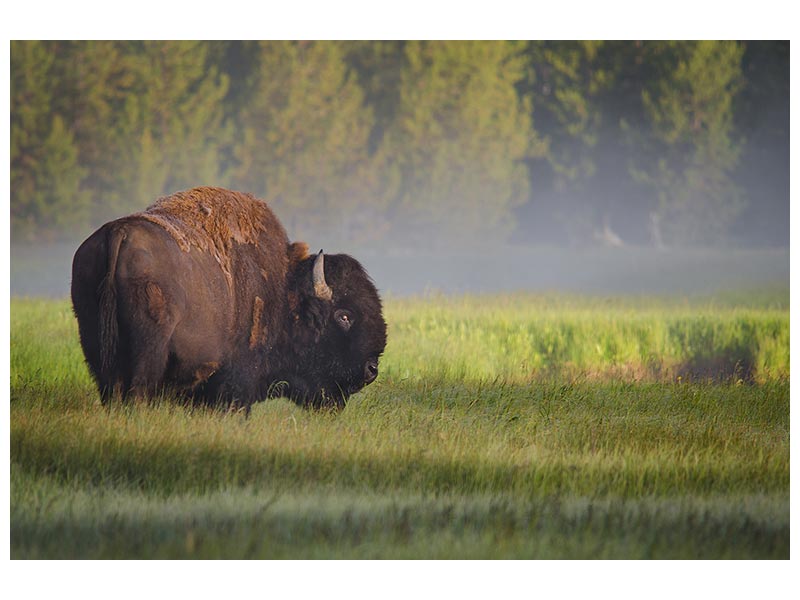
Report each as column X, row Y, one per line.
column 569, row 77
column 569, row 81
column 46, row 177
column 397, row 140
column 459, row 137
column 172, row 132
column 691, row 111
column 95, row 82
column 303, row 144
column 112, row 125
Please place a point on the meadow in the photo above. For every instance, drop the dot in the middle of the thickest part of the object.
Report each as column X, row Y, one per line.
column 501, row 426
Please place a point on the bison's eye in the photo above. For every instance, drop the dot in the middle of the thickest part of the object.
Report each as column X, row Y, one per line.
column 343, row 318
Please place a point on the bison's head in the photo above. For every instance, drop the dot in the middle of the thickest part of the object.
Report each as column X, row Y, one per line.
column 338, row 333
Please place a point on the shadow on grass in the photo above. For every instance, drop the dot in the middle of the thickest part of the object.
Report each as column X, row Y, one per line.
column 732, row 367
column 246, row 525
column 168, row 467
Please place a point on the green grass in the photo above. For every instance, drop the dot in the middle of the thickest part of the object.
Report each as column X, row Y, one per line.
column 513, row 426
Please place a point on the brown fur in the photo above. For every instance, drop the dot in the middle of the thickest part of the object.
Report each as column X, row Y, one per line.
column 294, row 302
column 298, row 251
column 210, row 219
column 205, row 371
column 156, row 305
column 257, row 334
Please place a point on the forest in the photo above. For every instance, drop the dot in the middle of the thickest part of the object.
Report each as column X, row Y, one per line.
column 413, row 143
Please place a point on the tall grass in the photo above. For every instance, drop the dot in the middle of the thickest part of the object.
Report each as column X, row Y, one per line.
column 514, row 426
column 520, row 337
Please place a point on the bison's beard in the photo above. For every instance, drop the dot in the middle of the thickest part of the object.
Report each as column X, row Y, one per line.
column 313, row 396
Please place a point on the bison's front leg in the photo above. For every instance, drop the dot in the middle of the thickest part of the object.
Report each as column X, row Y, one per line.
column 236, row 406
column 231, row 389
column 242, row 394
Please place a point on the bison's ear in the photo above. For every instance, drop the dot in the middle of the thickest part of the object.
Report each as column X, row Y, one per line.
column 297, row 252
column 321, row 289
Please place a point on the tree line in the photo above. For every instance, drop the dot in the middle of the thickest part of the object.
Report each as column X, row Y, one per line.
column 403, row 142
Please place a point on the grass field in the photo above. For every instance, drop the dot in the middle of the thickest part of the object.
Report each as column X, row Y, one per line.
column 513, row 426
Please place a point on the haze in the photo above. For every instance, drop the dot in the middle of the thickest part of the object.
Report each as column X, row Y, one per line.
column 601, row 167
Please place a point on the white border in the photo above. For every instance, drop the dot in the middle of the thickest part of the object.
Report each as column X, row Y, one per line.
column 414, row 19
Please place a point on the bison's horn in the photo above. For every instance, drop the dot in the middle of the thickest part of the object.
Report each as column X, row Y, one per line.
column 321, row 288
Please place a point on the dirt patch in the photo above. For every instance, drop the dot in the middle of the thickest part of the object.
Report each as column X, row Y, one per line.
column 717, row 368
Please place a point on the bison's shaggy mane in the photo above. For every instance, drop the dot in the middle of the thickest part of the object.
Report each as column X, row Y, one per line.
column 211, row 219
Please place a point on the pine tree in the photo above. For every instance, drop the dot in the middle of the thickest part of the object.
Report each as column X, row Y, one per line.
column 94, row 81
column 379, row 67
column 171, row 127
column 458, row 141
column 303, row 142
column 46, row 194
column 690, row 107
column 568, row 83
column 146, row 119
column 569, row 77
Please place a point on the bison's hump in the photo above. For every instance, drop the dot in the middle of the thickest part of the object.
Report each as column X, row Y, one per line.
column 211, row 219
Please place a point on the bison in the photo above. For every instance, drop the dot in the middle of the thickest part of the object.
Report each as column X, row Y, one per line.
column 203, row 295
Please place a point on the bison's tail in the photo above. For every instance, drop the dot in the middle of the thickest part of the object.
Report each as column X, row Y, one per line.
column 109, row 325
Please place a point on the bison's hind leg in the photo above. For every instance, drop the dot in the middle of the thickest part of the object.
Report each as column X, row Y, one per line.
column 149, row 365
column 110, row 390
column 151, row 319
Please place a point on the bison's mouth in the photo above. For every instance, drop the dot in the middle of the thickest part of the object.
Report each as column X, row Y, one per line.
column 328, row 395
column 331, row 397
column 324, row 399
column 356, row 387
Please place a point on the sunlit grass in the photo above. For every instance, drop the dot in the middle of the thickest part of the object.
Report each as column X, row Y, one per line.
column 522, row 337
column 497, row 429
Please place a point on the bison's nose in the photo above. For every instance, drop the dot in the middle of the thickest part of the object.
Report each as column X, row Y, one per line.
column 370, row 371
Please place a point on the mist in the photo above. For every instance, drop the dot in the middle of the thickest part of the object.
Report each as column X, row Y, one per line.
column 45, row 270
column 444, row 167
